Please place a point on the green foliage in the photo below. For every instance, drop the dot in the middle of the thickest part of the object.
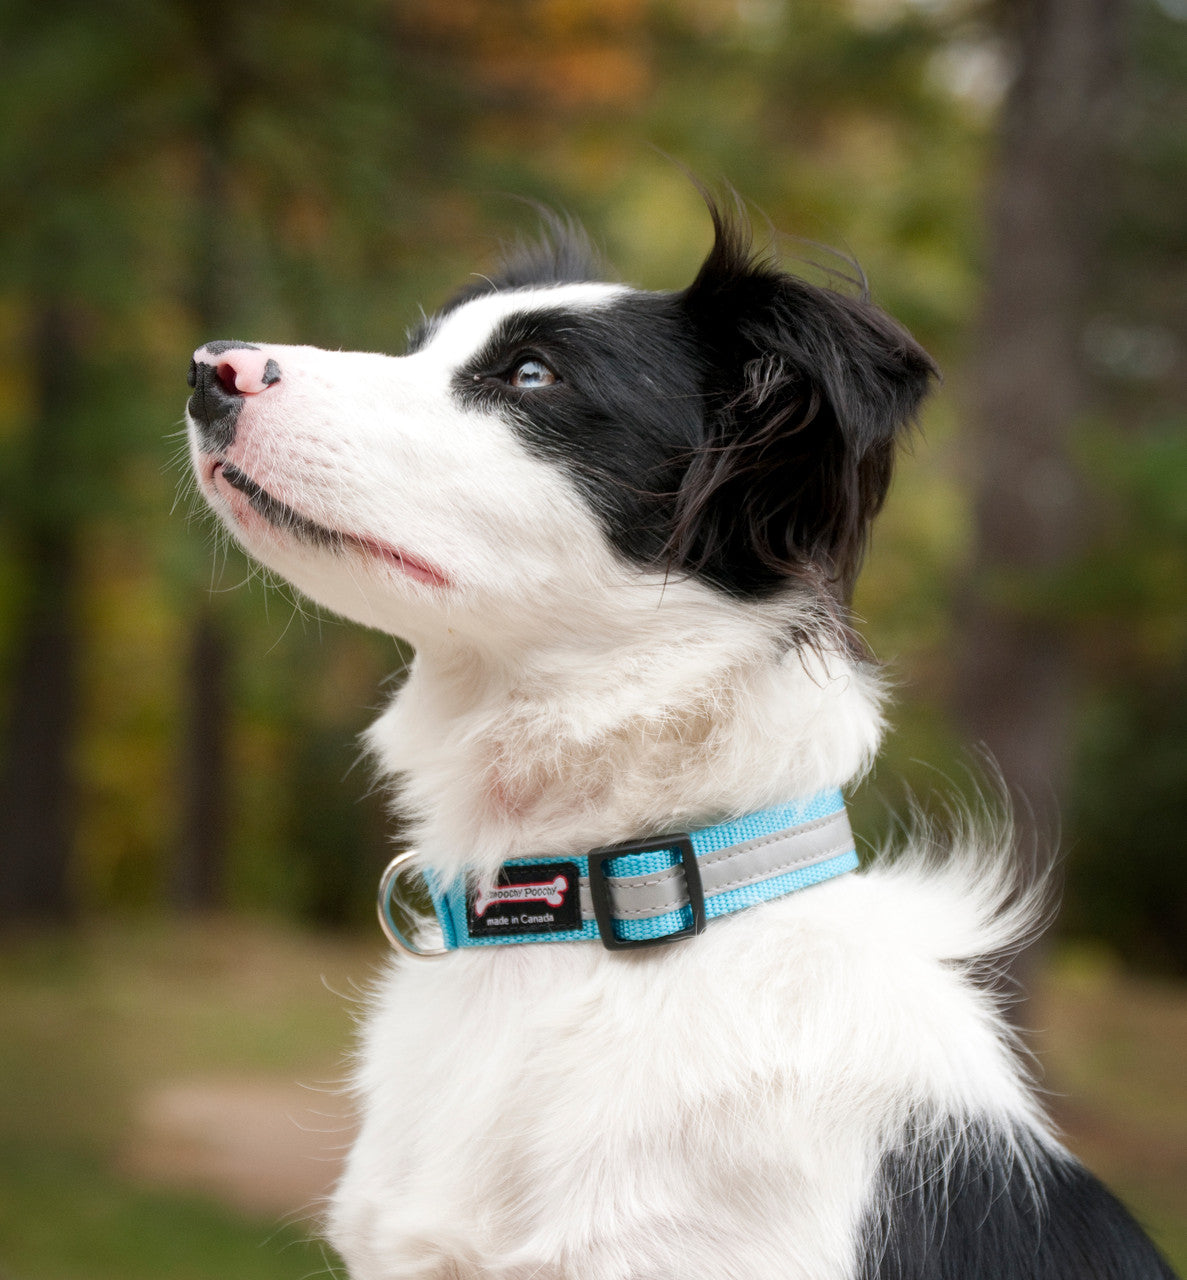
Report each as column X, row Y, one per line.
column 179, row 171
column 1130, row 810
column 176, row 171
column 1126, row 879
column 1128, row 803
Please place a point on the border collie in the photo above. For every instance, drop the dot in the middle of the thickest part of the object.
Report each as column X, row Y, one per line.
column 620, row 528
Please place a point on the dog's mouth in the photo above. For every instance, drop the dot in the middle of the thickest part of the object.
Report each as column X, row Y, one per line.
column 285, row 519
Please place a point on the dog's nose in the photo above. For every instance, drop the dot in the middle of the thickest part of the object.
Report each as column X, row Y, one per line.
column 223, row 374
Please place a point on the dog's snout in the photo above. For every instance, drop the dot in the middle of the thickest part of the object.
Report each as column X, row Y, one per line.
column 222, row 374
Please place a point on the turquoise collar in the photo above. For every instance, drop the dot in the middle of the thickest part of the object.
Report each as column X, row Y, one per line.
column 643, row 893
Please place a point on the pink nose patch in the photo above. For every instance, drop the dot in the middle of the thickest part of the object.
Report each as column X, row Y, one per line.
column 244, row 369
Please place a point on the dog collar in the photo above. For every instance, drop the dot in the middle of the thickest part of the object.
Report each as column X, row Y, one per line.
column 643, row 893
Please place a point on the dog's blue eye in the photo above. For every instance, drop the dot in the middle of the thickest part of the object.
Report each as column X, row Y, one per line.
column 531, row 373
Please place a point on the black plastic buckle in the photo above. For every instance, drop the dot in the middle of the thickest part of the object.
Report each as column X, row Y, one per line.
column 599, row 889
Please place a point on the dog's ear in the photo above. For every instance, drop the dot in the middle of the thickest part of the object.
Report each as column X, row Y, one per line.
column 807, row 392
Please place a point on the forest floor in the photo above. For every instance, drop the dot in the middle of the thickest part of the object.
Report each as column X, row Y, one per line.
column 174, row 1091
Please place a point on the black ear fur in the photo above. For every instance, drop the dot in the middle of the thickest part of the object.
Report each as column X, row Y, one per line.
column 807, row 392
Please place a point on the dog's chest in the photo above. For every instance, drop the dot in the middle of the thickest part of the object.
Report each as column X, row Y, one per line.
column 566, row 1113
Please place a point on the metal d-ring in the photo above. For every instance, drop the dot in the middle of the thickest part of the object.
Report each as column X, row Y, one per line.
column 387, row 885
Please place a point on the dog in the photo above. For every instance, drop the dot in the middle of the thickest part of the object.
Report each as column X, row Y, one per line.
column 665, row 1028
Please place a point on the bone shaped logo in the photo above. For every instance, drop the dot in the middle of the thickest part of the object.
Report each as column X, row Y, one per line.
column 552, row 892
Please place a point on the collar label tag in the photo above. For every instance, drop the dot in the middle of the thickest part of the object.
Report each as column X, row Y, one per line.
column 534, row 897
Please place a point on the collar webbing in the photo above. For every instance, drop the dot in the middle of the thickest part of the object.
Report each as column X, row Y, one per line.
column 652, row 891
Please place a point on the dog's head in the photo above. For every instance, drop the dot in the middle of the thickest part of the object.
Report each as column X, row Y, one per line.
column 550, row 442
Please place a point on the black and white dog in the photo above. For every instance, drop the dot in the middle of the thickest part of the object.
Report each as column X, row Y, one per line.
column 619, row 528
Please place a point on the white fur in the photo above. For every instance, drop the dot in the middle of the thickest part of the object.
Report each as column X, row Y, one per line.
column 712, row 1110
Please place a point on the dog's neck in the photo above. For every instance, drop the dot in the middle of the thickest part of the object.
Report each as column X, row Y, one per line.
column 565, row 747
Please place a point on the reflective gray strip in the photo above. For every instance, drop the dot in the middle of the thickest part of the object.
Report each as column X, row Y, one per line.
column 655, row 894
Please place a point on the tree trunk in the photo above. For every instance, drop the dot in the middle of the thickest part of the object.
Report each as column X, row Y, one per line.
column 1016, row 679
column 197, row 878
column 38, row 785
column 199, row 871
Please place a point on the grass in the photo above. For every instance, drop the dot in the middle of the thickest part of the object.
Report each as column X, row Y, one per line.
column 65, row 1216
column 90, row 1022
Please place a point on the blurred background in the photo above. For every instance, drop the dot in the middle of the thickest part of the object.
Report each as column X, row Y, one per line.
column 188, row 842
